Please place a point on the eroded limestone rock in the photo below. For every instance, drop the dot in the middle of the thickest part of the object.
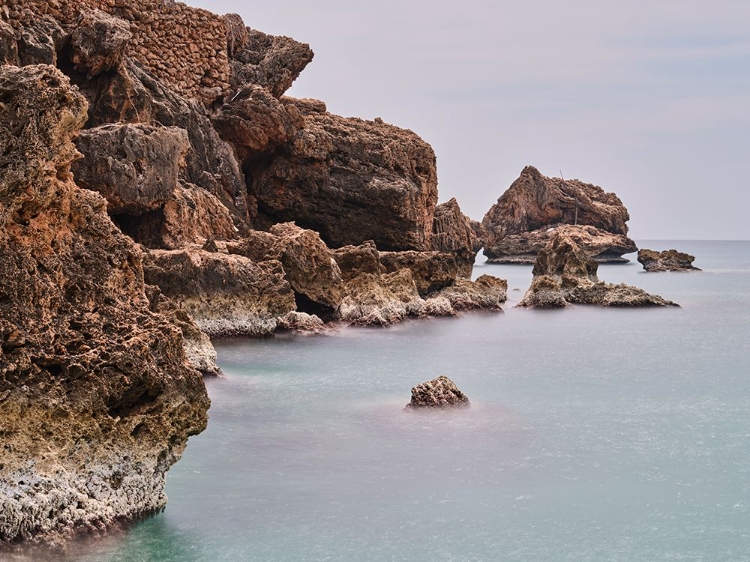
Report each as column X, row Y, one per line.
column 98, row 42
column 437, row 393
column 452, row 231
column 668, row 260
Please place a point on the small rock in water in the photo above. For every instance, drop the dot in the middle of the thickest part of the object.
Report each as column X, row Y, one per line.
column 437, row 393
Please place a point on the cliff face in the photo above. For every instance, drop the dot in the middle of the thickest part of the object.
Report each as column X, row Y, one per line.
column 518, row 225
column 96, row 397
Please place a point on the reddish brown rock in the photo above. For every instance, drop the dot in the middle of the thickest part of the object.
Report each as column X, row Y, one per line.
column 519, row 225
column 437, row 393
column 351, row 180
column 98, row 42
column 452, row 232
column 668, row 260
column 381, row 300
column 41, row 40
column 431, row 271
column 98, row 399
column 8, row 44
column 354, row 260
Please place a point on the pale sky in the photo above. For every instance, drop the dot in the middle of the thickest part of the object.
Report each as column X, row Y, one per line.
column 648, row 99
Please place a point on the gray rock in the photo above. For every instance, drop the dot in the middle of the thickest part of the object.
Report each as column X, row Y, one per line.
column 98, row 42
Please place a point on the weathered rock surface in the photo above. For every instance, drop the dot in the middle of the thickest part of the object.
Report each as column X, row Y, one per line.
column 8, row 44
column 432, row 271
column 97, row 398
column 486, row 293
column 41, row 40
column 668, row 260
column 519, row 225
column 437, row 393
column 350, row 180
column 381, row 300
column 226, row 295
column 355, row 260
column 98, row 42
column 565, row 274
column 452, row 231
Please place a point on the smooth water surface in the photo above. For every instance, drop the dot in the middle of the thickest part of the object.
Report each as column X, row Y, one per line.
column 594, row 434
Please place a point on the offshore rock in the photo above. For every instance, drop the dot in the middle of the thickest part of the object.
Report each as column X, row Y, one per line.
column 519, row 225
column 486, row 293
column 668, row 260
column 565, row 274
column 273, row 62
column 98, row 42
column 98, row 399
column 437, row 393
column 431, row 271
column 452, row 232
column 226, row 295
column 351, row 180
column 309, row 266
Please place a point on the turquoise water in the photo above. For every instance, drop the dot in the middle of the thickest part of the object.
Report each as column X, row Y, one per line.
column 594, row 435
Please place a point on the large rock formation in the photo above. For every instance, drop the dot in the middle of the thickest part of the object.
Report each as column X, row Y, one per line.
column 519, row 225
column 453, row 232
column 97, row 399
column 565, row 274
column 350, row 180
column 668, row 260
column 437, row 393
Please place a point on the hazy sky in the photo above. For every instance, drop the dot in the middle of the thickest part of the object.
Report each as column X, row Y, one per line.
column 648, row 99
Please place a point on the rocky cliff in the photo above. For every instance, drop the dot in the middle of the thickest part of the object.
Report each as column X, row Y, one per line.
column 518, row 226
column 97, row 399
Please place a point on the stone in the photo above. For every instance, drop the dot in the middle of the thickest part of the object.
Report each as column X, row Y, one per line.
column 431, row 271
column 301, row 322
column 273, row 62
column 354, row 260
column 452, row 231
column 98, row 42
column 519, row 225
column 381, row 300
column 98, row 397
column 226, row 295
column 566, row 274
column 668, row 260
column 350, row 180
column 40, row 42
column 486, row 293
column 135, row 167
column 437, row 393
column 8, row 44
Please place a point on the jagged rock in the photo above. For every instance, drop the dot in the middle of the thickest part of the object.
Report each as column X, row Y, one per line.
column 8, row 44
column 97, row 397
column 351, row 180
column 437, row 393
column 130, row 94
column 565, row 274
column 519, row 225
column 452, row 232
column 486, row 293
column 273, row 62
column 480, row 235
column 98, row 41
column 668, row 260
column 256, row 123
column 355, row 260
column 226, row 295
column 237, row 34
column 381, row 300
column 40, row 42
column 308, row 264
column 135, row 167
column 432, row 271
column 301, row 322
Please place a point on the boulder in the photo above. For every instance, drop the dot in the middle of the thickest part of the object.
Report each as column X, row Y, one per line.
column 486, row 293
column 381, row 300
column 668, row 260
column 565, row 274
column 452, row 231
column 98, row 42
column 351, row 180
column 519, row 225
column 431, row 271
column 226, row 295
column 41, row 39
column 437, row 393
column 97, row 399
column 8, row 44
column 354, row 260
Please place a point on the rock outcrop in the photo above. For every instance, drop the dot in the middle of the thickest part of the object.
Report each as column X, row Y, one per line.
column 486, row 293
column 431, row 271
column 98, row 42
column 97, row 399
column 519, row 225
column 350, row 180
column 668, row 260
column 453, row 232
column 565, row 274
column 437, row 393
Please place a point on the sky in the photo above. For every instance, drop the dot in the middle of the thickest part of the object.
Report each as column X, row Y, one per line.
column 650, row 100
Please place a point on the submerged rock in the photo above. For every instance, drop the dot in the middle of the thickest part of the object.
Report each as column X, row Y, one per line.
column 520, row 224
column 565, row 274
column 437, row 393
column 668, row 260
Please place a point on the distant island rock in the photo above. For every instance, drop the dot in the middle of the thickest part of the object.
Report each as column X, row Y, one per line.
column 520, row 224
column 437, row 393
column 668, row 260
column 565, row 274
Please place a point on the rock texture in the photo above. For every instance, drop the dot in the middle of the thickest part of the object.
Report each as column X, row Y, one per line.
column 519, row 225
column 668, row 260
column 431, row 271
column 350, row 180
column 453, row 232
column 437, row 393
column 565, row 274
column 97, row 399
column 98, row 42
column 486, row 293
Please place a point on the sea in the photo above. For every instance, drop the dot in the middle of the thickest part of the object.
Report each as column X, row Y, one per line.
column 594, row 434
